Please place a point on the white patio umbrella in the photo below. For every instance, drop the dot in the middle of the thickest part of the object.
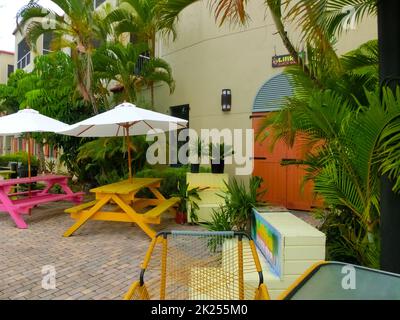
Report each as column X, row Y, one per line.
column 29, row 121
column 126, row 120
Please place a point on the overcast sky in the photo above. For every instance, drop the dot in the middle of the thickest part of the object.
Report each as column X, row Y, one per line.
column 8, row 11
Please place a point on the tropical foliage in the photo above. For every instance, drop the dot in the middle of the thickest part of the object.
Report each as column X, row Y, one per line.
column 239, row 201
column 104, row 161
column 100, row 61
column 49, row 89
column 72, row 86
column 351, row 129
column 126, row 65
column 188, row 200
column 143, row 20
column 80, row 30
column 10, row 99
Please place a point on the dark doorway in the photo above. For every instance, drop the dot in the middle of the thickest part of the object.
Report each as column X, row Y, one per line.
column 182, row 112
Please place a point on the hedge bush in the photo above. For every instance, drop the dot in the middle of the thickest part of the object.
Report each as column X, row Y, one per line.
column 170, row 176
column 18, row 157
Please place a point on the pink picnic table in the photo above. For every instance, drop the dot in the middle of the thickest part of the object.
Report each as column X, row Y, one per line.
column 16, row 204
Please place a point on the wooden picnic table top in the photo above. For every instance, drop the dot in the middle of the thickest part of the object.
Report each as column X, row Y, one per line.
column 6, row 172
column 126, row 186
column 48, row 177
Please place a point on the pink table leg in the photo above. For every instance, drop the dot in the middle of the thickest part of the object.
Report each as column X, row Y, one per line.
column 76, row 198
column 63, row 183
column 9, row 207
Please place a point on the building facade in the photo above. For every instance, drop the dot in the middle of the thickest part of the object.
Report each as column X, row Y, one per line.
column 205, row 59
column 6, row 65
column 6, row 68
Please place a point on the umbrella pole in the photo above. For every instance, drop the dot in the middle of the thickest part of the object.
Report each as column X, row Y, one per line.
column 29, row 164
column 128, row 142
column 29, row 157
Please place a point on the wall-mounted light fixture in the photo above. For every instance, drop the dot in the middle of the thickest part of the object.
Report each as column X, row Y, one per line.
column 226, row 100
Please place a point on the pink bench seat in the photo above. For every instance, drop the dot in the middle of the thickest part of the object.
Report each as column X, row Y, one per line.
column 24, row 193
column 39, row 199
column 28, row 203
column 30, row 199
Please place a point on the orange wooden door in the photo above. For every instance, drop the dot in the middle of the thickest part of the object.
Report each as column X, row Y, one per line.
column 300, row 195
column 267, row 165
column 284, row 184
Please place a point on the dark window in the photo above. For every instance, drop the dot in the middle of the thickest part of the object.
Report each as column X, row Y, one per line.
column 23, row 49
column 133, row 38
column 24, row 54
column 144, row 56
column 10, row 69
column 97, row 3
column 182, row 112
column 47, row 38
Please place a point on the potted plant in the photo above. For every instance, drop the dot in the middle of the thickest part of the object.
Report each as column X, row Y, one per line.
column 197, row 149
column 187, row 198
column 217, row 153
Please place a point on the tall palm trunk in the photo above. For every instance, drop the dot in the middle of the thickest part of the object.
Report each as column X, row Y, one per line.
column 288, row 44
column 152, row 55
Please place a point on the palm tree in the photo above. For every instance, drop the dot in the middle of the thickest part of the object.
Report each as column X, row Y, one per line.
column 353, row 136
column 143, row 20
column 127, row 66
column 79, row 29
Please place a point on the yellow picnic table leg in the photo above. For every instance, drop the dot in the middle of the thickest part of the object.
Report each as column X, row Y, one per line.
column 157, row 193
column 136, row 218
column 87, row 215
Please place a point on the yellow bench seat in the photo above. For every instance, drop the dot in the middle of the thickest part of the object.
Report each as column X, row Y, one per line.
column 160, row 209
column 81, row 207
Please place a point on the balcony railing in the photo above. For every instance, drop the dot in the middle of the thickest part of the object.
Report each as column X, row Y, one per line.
column 24, row 61
column 143, row 59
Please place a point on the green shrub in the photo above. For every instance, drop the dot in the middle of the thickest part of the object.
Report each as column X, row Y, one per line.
column 18, row 157
column 236, row 213
column 103, row 161
column 170, row 176
column 188, row 199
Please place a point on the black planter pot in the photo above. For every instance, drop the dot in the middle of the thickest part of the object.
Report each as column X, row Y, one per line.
column 218, row 167
column 195, row 168
column 23, row 171
column 14, row 167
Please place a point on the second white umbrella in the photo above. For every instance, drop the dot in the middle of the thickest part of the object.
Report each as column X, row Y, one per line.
column 29, row 121
column 124, row 120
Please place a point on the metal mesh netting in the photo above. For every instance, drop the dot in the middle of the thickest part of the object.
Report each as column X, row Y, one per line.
column 198, row 266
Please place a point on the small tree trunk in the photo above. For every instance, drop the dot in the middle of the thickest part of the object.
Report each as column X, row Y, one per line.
column 42, row 160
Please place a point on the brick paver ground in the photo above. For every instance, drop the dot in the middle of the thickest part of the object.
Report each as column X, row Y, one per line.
column 98, row 262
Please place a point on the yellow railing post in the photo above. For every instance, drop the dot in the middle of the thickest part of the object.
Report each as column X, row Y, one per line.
column 163, row 267
column 240, row 260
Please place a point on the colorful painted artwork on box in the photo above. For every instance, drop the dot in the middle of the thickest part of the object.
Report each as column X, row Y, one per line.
column 268, row 241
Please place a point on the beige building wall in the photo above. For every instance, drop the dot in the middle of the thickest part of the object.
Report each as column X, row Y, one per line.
column 206, row 58
column 6, row 59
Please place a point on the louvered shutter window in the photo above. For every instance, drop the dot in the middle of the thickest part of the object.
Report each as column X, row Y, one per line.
column 272, row 94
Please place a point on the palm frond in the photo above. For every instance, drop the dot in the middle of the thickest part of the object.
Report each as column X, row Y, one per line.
column 332, row 16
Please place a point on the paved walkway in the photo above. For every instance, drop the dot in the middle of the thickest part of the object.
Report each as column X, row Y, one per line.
column 98, row 262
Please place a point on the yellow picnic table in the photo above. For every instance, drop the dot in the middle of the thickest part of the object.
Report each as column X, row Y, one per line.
column 118, row 202
column 6, row 173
